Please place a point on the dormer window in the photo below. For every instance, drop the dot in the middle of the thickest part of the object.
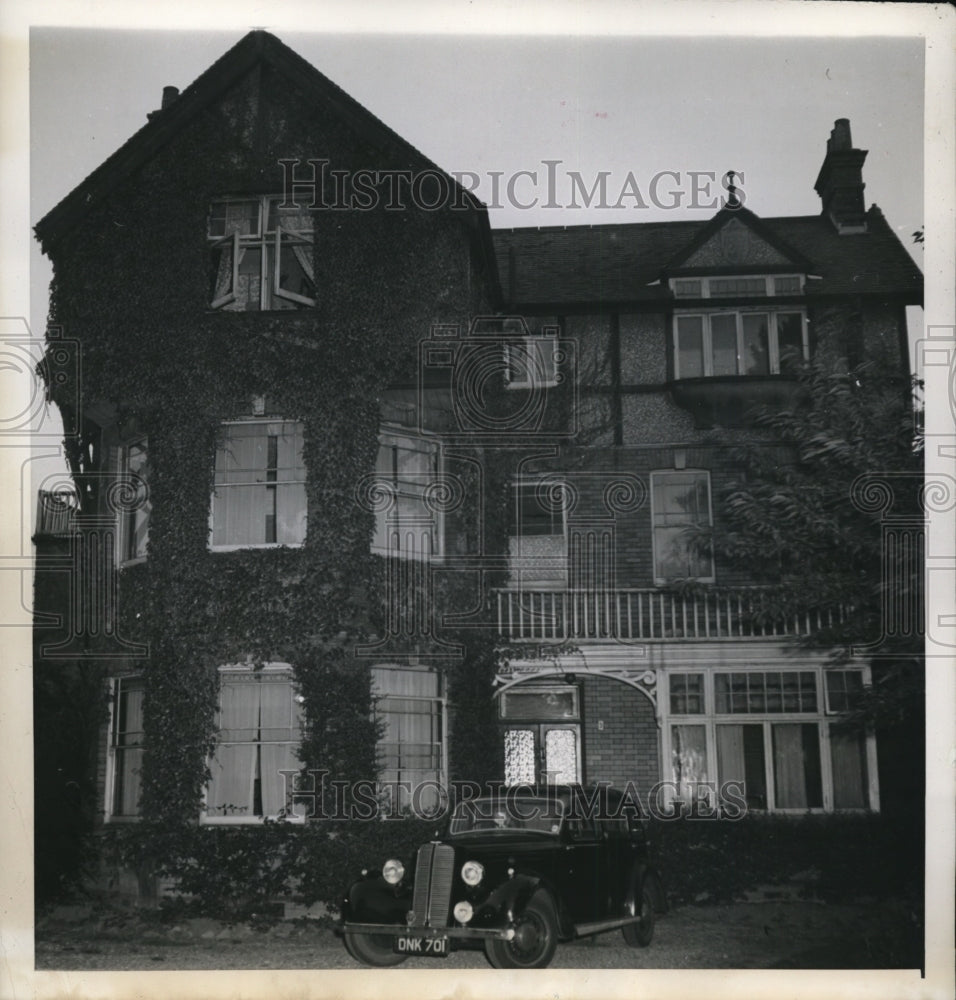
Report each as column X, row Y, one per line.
column 261, row 255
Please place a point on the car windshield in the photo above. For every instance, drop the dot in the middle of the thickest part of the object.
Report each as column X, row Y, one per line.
column 525, row 813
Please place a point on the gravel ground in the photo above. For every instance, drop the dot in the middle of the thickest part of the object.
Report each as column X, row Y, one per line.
column 790, row 934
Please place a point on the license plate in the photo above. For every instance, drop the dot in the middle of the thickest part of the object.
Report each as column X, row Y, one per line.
column 435, row 947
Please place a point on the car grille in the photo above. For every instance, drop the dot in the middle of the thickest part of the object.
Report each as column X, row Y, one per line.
column 433, row 877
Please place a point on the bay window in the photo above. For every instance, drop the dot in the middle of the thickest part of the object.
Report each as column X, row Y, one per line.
column 259, row 487
column 738, row 342
column 261, row 254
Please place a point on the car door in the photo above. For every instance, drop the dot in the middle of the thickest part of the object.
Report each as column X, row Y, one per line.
column 617, row 860
column 582, row 871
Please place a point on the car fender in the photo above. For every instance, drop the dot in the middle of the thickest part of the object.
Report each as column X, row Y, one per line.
column 510, row 898
column 641, row 872
column 373, row 900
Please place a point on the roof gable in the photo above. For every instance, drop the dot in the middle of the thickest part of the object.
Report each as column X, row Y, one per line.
column 256, row 49
column 735, row 239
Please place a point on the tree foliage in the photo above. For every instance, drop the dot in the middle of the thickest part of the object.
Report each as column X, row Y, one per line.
column 827, row 509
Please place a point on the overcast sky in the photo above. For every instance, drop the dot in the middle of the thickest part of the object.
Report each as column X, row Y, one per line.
column 627, row 106
column 763, row 107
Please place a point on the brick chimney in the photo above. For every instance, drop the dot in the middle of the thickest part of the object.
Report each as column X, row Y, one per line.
column 840, row 181
column 169, row 96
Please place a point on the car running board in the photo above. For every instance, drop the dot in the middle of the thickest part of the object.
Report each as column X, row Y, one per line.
column 583, row 930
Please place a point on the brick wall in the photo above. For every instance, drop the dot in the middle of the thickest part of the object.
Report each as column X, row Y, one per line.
column 620, row 735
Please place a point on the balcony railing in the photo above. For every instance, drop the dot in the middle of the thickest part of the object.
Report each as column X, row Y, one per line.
column 56, row 513
column 636, row 615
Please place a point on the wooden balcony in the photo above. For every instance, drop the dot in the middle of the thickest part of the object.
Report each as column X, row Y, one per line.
column 651, row 615
column 56, row 514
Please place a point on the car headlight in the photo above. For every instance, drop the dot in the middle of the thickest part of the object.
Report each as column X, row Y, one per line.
column 393, row 871
column 463, row 911
column 472, row 872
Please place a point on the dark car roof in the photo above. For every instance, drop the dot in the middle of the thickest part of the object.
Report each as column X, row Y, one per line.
column 600, row 794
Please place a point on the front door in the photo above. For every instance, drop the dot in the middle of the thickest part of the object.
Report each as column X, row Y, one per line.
column 540, row 752
column 542, row 732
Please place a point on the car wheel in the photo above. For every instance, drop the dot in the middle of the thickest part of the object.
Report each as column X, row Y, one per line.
column 372, row 949
column 640, row 935
column 536, row 937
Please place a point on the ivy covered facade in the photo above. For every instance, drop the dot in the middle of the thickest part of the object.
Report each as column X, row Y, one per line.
column 370, row 499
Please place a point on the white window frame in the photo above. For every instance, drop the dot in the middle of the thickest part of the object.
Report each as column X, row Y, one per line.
column 821, row 718
column 126, row 519
column 112, row 771
column 739, row 312
column 231, row 546
column 544, row 689
column 659, row 580
column 841, row 670
column 702, row 714
column 263, row 240
column 439, row 702
column 293, row 816
column 527, row 358
column 705, row 291
column 395, row 437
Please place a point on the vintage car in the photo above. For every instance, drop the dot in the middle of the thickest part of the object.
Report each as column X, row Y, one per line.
column 515, row 874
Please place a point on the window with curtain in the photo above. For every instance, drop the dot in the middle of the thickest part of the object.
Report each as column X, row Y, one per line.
column 259, row 488
column 680, row 501
column 260, row 725
column 134, row 528
column 126, row 746
column 740, row 758
column 260, row 255
column 408, row 527
column 410, row 706
column 848, row 765
column 689, row 760
column 796, row 765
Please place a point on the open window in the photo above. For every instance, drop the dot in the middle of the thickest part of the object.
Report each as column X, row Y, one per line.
column 261, row 255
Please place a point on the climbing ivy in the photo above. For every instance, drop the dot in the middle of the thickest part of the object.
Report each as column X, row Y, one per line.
column 131, row 286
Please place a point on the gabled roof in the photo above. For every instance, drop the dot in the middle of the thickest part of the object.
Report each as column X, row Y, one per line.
column 747, row 218
column 254, row 48
column 623, row 263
